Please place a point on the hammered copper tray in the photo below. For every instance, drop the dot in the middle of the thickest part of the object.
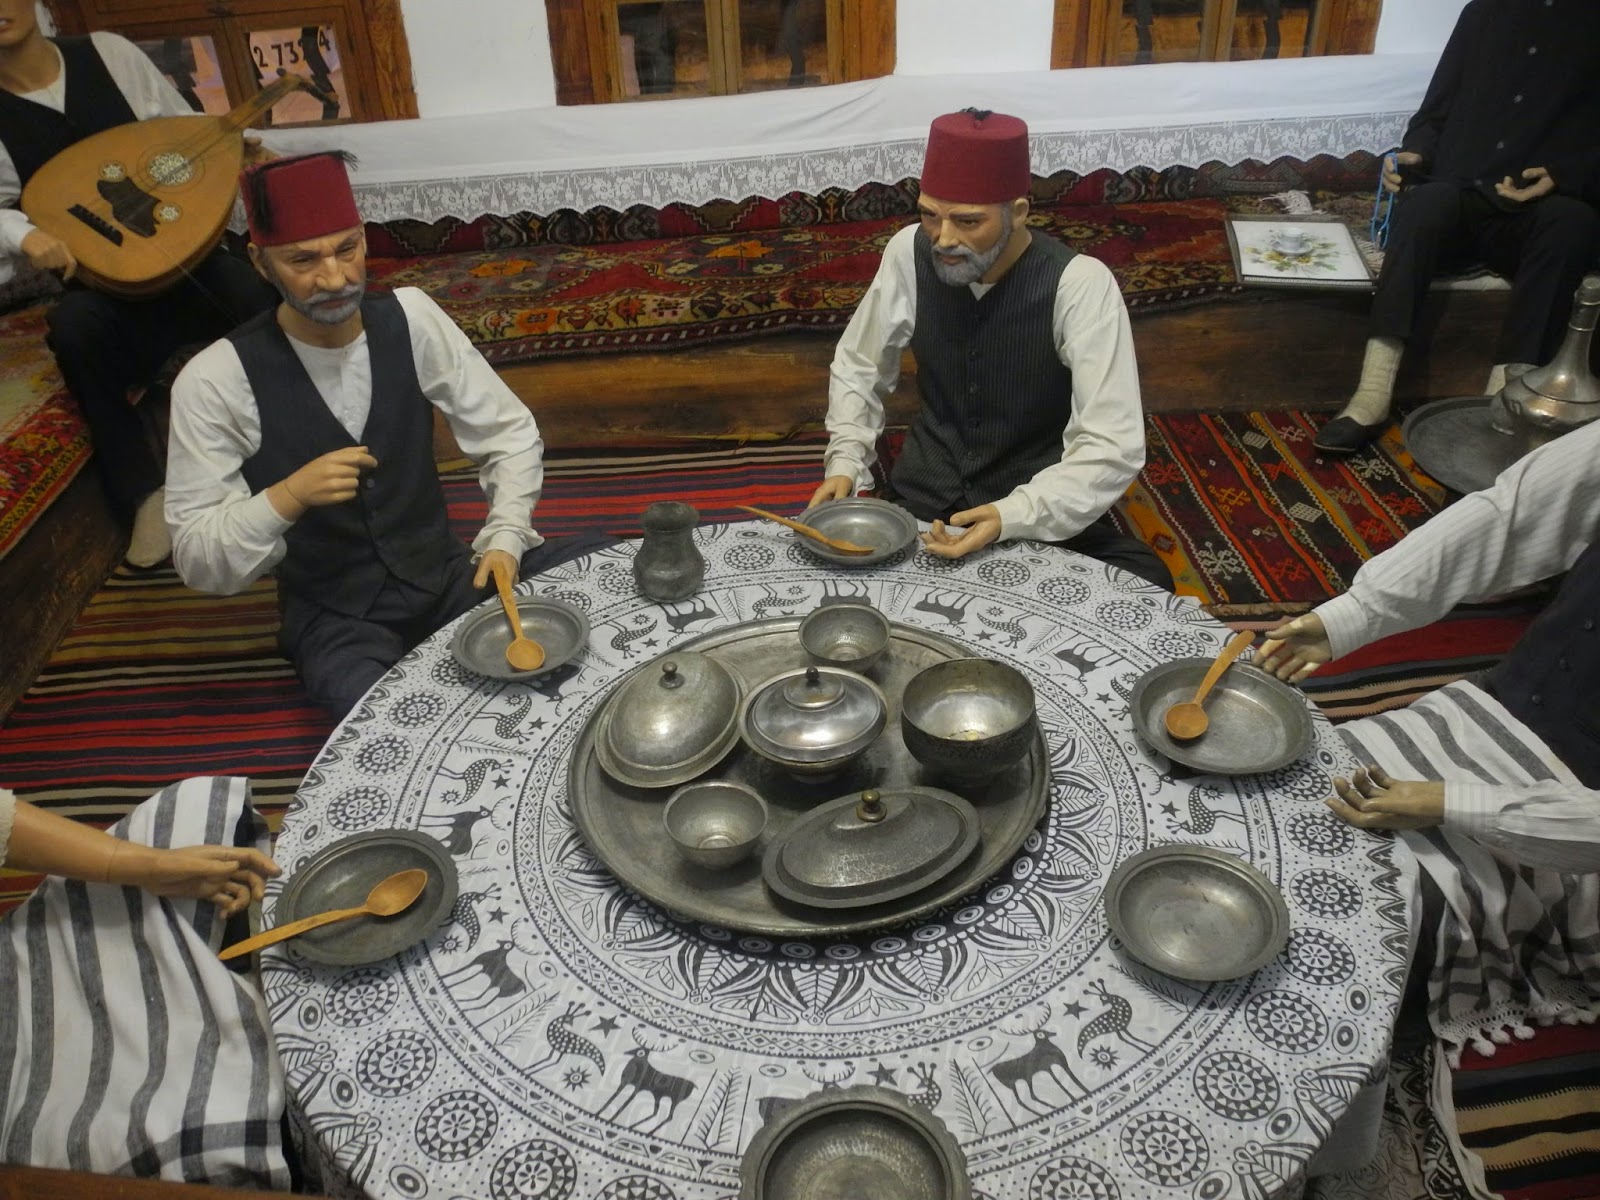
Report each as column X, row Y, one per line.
column 622, row 824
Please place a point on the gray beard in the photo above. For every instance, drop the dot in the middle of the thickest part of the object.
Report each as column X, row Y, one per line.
column 316, row 307
column 973, row 265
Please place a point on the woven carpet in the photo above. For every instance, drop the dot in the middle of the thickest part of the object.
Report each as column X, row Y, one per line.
column 43, row 441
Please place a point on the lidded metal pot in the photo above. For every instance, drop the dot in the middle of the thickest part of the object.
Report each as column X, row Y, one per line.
column 815, row 721
column 672, row 720
column 1546, row 402
column 669, row 566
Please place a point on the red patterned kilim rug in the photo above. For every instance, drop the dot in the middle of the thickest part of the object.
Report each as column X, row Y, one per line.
column 43, row 441
column 540, row 300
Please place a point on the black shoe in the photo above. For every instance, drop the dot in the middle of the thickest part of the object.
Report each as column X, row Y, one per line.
column 1343, row 436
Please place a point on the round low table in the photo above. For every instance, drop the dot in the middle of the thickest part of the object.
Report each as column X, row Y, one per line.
column 558, row 1037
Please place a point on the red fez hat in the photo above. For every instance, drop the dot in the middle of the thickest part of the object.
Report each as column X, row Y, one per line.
column 296, row 199
column 977, row 157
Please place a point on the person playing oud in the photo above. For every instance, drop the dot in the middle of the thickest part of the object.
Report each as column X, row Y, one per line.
column 53, row 93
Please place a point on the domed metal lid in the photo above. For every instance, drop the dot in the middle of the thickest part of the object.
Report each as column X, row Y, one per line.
column 872, row 846
column 813, row 715
column 672, row 720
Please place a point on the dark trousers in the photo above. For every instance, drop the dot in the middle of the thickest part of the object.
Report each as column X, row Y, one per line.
column 1104, row 541
column 1544, row 247
column 339, row 657
column 106, row 345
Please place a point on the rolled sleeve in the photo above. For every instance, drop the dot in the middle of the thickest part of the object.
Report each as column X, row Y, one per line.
column 1543, row 825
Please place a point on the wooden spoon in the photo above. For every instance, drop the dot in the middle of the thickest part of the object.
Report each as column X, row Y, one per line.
column 524, row 654
column 842, row 547
column 1188, row 720
column 388, row 896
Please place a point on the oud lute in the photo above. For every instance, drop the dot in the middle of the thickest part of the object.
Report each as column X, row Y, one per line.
column 140, row 204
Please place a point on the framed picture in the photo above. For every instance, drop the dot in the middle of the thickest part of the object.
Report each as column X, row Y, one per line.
column 1314, row 250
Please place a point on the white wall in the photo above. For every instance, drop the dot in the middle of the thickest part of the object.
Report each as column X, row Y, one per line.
column 494, row 55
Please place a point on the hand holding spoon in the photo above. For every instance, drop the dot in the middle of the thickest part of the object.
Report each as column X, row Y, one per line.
column 388, row 896
column 524, row 654
column 1188, row 720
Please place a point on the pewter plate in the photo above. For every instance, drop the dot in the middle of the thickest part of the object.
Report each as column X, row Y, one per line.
column 1258, row 723
column 849, row 1144
column 1196, row 913
column 622, row 824
column 1453, row 441
column 864, row 520
column 483, row 635
column 341, row 875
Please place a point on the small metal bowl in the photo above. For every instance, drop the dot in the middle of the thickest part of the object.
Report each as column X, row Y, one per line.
column 480, row 641
column 813, row 722
column 1196, row 913
column 968, row 716
column 1257, row 722
column 840, row 1144
column 715, row 823
column 852, row 637
column 886, row 528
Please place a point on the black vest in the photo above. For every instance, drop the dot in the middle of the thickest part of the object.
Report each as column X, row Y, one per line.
column 995, row 393
column 35, row 133
column 341, row 555
column 1551, row 679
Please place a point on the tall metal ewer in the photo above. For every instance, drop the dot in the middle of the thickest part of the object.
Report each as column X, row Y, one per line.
column 669, row 566
column 1563, row 394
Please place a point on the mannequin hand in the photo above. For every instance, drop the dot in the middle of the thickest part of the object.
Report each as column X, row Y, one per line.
column 231, row 877
column 982, row 526
column 1295, row 649
column 47, row 252
column 1392, row 179
column 330, row 479
column 499, row 563
column 255, row 153
column 1374, row 801
column 1542, row 185
column 834, row 487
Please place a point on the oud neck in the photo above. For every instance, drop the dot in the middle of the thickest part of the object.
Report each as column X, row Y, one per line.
column 245, row 114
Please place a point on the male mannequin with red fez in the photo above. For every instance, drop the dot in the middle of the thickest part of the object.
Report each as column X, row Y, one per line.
column 54, row 92
column 1031, row 425
column 302, row 443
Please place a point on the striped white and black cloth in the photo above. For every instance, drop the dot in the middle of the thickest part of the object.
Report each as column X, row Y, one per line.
column 1514, row 945
column 126, row 1047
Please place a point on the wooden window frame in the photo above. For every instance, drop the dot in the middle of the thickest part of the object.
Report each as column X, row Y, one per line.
column 374, row 36
column 583, row 38
column 1085, row 29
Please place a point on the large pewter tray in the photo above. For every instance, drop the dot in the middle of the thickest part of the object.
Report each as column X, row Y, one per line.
column 622, row 824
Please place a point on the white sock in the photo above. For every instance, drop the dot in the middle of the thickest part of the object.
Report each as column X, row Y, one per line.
column 150, row 542
column 1370, row 403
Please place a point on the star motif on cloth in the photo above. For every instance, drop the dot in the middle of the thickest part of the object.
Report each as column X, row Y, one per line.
column 883, row 1075
column 604, row 1025
column 539, row 724
column 985, row 636
column 500, row 781
column 1103, row 698
column 498, row 916
column 1073, row 1010
column 651, row 643
column 1170, row 809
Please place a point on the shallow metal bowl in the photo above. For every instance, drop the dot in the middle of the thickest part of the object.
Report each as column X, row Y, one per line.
column 886, row 528
column 1257, row 722
column 968, row 716
column 481, row 639
column 851, row 1144
column 341, row 875
column 1453, row 441
column 1196, row 913
column 851, row 637
column 715, row 823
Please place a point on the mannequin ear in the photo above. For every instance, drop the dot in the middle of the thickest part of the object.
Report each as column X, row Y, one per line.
column 1020, row 208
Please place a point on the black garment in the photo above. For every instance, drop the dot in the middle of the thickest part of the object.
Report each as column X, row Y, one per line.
column 344, row 556
column 105, row 345
column 339, row 658
column 1548, row 680
column 1518, row 86
column 34, row 133
column 1545, row 247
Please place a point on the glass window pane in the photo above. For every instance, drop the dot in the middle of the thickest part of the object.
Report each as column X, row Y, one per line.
column 782, row 43
column 1272, row 29
column 313, row 52
column 1158, row 31
column 190, row 63
column 662, row 49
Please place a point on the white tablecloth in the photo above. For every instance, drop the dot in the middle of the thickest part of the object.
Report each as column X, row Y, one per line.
column 501, row 1059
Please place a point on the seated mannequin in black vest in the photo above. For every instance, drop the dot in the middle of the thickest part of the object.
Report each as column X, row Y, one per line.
column 52, row 94
column 1031, row 424
column 303, row 444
